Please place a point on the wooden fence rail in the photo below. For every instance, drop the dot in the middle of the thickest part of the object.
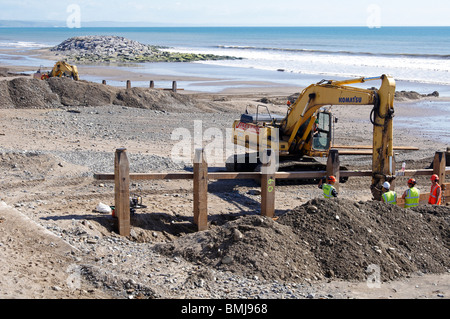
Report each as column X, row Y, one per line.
column 267, row 176
column 255, row 175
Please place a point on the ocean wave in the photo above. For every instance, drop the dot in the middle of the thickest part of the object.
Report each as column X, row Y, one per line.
column 336, row 69
column 421, row 70
column 339, row 52
column 23, row 44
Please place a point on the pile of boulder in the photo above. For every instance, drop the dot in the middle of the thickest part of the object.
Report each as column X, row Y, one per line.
column 110, row 49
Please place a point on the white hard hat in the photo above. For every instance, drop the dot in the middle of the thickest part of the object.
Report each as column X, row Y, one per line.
column 386, row 185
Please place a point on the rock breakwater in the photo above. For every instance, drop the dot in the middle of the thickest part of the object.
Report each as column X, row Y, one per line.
column 114, row 49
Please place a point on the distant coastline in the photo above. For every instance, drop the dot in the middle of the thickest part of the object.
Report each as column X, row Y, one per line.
column 63, row 24
column 146, row 24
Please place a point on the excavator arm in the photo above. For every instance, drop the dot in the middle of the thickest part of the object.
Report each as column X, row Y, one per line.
column 291, row 135
column 318, row 95
column 338, row 93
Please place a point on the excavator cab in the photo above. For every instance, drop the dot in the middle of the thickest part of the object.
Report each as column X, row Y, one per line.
column 321, row 132
column 318, row 127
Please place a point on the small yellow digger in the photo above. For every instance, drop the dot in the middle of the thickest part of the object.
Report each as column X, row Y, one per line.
column 60, row 69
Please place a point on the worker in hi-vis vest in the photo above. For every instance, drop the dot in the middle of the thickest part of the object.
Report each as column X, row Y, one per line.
column 411, row 195
column 389, row 197
column 435, row 192
column 328, row 188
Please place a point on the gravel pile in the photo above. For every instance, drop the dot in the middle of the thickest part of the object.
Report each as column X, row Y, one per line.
column 322, row 239
column 319, row 240
column 58, row 92
column 27, row 93
column 127, row 268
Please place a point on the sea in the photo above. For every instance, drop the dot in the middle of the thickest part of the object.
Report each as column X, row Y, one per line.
column 417, row 57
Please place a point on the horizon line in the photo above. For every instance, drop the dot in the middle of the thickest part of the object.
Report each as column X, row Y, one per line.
column 218, row 26
column 143, row 24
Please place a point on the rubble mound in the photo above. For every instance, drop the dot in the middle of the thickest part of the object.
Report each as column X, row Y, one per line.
column 81, row 93
column 336, row 238
column 59, row 92
column 102, row 44
column 412, row 95
column 114, row 49
column 26, row 93
column 251, row 245
column 346, row 237
column 154, row 99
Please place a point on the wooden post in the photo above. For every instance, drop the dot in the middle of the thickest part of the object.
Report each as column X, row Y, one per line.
column 447, row 156
column 122, row 191
column 268, row 180
column 333, row 164
column 128, row 84
column 439, row 166
column 152, row 84
column 200, row 190
column 104, row 82
column 174, row 86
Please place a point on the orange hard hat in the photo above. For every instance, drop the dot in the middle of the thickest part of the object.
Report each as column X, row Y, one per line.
column 434, row 177
column 331, row 178
column 412, row 181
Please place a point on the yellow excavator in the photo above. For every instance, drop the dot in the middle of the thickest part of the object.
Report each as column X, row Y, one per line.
column 60, row 69
column 306, row 130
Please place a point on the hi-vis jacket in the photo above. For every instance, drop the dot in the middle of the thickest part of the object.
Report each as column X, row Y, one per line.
column 390, row 197
column 412, row 197
column 328, row 191
column 435, row 199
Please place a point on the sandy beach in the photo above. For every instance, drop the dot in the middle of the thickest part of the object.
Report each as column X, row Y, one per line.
column 54, row 245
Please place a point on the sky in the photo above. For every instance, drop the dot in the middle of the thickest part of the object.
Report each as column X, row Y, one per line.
column 376, row 13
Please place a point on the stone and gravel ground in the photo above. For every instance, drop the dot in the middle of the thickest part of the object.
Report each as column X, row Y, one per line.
column 58, row 246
